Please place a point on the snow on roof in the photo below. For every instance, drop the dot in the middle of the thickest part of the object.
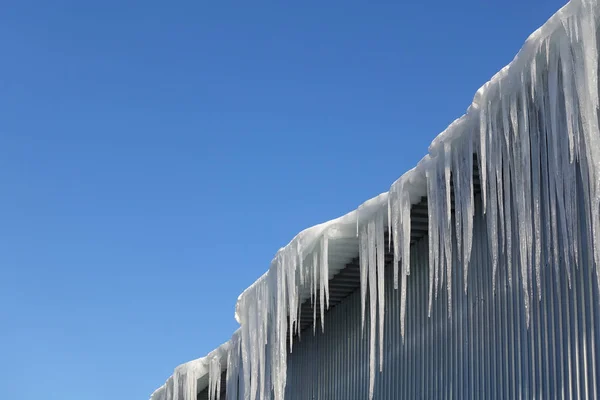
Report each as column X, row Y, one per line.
column 548, row 94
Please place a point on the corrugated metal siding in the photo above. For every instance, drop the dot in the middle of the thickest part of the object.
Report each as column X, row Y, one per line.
column 484, row 352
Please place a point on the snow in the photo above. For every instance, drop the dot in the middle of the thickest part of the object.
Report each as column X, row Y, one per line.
column 535, row 133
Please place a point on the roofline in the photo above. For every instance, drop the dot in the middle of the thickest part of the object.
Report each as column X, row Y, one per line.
column 416, row 177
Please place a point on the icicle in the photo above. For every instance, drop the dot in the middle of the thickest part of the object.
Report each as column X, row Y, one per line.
column 440, row 201
column 500, row 161
column 357, row 222
column 492, row 205
column 389, row 217
column 448, row 228
column 395, row 192
column 566, row 62
column 469, row 206
column 508, row 221
column 298, row 327
column 430, row 230
column 263, row 313
column 315, row 264
column 281, row 334
column 380, row 239
column 245, row 342
column 214, row 379
column 170, row 388
column 403, row 298
column 372, row 303
column 557, row 204
column 436, row 214
column 447, row 174
column 523, row 177
column 483, row 152
column 406, row 226
column 565, row 186
column 254, row 368
column 278, row 333
column 290, row 270
column 324, row 279
column 571, row 121
column 364, row 268
column 233, row 368
column 459, row 200
column 300, row 259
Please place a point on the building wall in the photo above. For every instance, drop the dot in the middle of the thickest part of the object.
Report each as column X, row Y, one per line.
column 485, row 351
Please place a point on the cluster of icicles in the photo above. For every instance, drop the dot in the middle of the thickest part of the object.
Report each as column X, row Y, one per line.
column 183, row 384
column 533, row 132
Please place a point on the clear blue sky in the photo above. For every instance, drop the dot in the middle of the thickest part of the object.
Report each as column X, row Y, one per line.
column 154, row 156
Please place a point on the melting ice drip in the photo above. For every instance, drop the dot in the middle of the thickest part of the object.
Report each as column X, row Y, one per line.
column 534, row 132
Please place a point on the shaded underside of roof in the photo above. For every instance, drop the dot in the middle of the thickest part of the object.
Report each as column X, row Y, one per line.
column 203, row 394
column 347, row 280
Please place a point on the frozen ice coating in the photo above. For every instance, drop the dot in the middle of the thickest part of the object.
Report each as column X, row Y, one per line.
column 192, row 376
column 527, row 151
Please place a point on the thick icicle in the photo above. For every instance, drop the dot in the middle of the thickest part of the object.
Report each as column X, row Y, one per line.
column 389, row 217
column 508, row 221
column 482, row 155
column 324, row 279
column 292, row 289
column 254, row 350
column 372, row 304
column 458, row 171
column 214, row 378
column 448, row 225
column 315, row 266
column 525, row 161
column 380, row 238
column 406, row 226
column 394, row 229
column 245, row 342
column 364, row 270
column 469, row 205
column 403, row 297
column 431, row 242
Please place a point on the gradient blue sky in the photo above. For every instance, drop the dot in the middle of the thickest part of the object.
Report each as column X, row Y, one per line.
column 154, row 156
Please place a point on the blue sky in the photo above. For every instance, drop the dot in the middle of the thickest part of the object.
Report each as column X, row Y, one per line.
column 154, row 156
